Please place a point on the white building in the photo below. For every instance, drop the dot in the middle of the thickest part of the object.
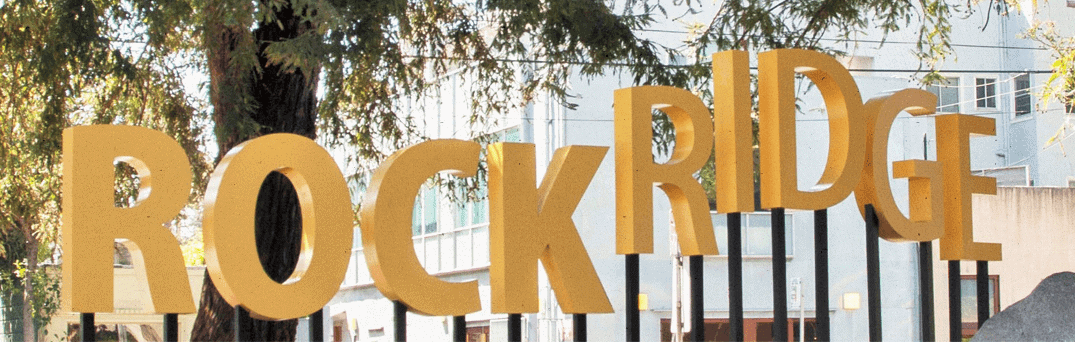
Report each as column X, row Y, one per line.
column 994, row 74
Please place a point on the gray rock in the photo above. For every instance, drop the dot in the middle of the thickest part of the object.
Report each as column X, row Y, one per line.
column 1047, row 314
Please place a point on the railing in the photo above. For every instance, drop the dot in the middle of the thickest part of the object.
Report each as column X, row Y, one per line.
column 462, row 250
column 821, row 259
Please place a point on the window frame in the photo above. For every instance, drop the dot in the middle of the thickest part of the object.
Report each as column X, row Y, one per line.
column 427, row 194
column 789, row 234
column 971, row 328
column 985, row 92
column 474, row 213
column 468, row 213
column 938, row 89
column 1022, row 94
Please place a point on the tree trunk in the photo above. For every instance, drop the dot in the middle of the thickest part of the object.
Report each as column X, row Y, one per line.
column 29, row 330
column 286, row 103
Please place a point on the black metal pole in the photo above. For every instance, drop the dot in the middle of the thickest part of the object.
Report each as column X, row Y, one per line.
column 821, row 274
column 88, row 327
column 983, row 292
column 735, row 276
column 579, row 327
column 925, row 273
column 925, row 284
column 631, row 305
column 515, row 327
column 459, row 328
column 171, row 327
column 697, row 303
column 400, row 312
column 955, row 311
column 317, row 328
column 780, row 277
column 242, row 324
column 873, row 274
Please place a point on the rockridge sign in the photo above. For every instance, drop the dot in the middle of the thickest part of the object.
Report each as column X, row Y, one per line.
column 529, row 222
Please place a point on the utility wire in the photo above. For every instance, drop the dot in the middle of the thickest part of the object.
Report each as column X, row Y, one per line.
column 994, row 96
column 706, row 63
column 990, row 113
column 978, row 85
column 849, row 41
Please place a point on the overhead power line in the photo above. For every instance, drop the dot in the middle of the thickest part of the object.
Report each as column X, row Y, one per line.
column 706, row 63
column 876, row 41
column 902, row 117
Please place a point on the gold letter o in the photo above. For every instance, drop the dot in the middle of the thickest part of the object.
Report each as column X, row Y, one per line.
column 230, row 251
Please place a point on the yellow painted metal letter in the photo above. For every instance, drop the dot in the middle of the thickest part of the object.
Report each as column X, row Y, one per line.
column 529, row 223
column 734, row 135
column 924, row 177
column 386, row 227
column 776, row 84
column 231, row 254
column 636, row 172
column 953, row 150
column 92, row 222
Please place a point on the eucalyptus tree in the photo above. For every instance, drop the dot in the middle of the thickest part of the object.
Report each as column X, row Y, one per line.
column 341, row 68
column 59, row 67
column 1061, row 83
column 345, row 70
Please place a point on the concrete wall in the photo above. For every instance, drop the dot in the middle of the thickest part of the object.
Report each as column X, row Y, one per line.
column 1035, row 226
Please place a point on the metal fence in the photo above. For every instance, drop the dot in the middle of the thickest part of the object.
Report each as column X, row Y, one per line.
column 243, row 322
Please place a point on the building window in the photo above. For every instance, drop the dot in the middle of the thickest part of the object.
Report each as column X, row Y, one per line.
column 757, row 233
column 478, row 333
column 968, row 292
column 753, row 330
column 424, row 218
column 474, row 209
column 469, row 212
column 1022, row 95
column 947, row 92
column 986, row 92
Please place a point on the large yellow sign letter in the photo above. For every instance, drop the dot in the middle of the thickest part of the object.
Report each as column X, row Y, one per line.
column 231, row 254
column 924, row 177
column 529, row 223
column 92, row 222
column 953, row 150
column 386, row 227
column 776, row 84
column 636, row 172
column 731, row 115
